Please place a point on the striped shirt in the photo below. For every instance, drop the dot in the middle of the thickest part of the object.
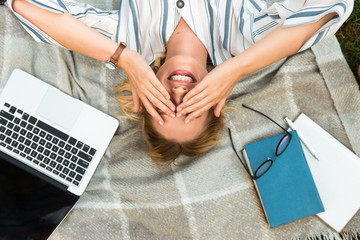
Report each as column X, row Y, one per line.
column 225, row 27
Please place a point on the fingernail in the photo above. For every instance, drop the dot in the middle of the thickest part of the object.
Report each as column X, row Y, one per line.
column 187, row 121
column 185, row 99
column 172, row 108
column 179, row 109
column 178, row 115
column 172, row 115
column 161, row 122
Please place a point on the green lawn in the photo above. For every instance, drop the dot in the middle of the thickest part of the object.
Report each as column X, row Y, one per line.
column 349, row 38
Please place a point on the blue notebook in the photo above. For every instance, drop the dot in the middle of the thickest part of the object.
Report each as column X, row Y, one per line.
column 287, row 191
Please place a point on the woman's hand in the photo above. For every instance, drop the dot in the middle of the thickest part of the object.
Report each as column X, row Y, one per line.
column 212, row 90
column 145, row 85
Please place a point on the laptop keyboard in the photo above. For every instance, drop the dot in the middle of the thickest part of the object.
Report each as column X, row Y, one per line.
column 44, row 145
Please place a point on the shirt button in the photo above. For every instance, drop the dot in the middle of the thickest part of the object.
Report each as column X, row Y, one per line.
column 180, row 3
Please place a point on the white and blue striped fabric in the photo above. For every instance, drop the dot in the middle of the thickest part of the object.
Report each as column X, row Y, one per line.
column 226, row 28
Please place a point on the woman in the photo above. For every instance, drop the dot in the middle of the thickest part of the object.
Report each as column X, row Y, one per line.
column 240, row 37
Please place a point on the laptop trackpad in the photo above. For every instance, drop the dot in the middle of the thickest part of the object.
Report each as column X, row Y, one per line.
column 59, row 108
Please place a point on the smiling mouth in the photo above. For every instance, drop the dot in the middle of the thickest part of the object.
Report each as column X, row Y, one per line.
column 182, row 76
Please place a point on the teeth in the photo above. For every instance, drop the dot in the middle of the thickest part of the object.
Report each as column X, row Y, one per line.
column 183, row 78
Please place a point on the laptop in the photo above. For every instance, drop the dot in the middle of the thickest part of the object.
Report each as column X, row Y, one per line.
column 50, row 146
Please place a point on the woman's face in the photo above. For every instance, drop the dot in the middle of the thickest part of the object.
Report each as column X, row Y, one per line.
column 180, row 74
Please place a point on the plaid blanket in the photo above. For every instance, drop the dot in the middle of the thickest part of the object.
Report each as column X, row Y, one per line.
column 210, row 196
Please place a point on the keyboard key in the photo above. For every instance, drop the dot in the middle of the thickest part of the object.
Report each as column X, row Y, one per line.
column 34, row 146
column 53, row 156
column 23, row 124
column 78, row 177
column 48, row 137
column 36, row 161
column 66, row 162
column 86, row 148
column 29, row 135
column 3, row 121
column 21, row 139
column 62, row 175
column 8, row 140
column 68, row 179
column 74, row 151
column 2, row 129
column 33, row 154
column 65, row 170
column 72, row 166
column 17, row 129
column 46, row 160
column 6, row 115
column 2, row 137
column 25, row 116
column 75, row 183
column 42, row 142
column 32, row 120
column 83, row 163
column 21, row 147
column 12, row 109
column 52, row 164
column 36, row 130
column 36, row 139
column 72, row 174
column 8, row 132
column 17, row 120
column 84, row 156
column 74, row 159
column 46, row 152
column 10, row 125
column 40, row 149
column 6, row 104
column 52, row 130
column 92, row 151
column 20, row 111
column 61, row 144
column 27, row 150
column 10, row 148
column 48, row 145
column 61, row 152
column 80, row 170
column 42, row 165
column 15, row 136
column 79, row 144
column 14, row 144
column 59, row 167
column 55, row 140
column 29, row 127
column 23, row 132
column 42, row 134
column 55, row 148
column 59, row 159
column 72, row 141
column 67, row 155
column 49, row 169
column 55, row 172
column 27, row 142
column 40, row 157
column 67, row 147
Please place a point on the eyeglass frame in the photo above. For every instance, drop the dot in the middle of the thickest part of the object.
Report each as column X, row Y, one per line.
column 254, row 176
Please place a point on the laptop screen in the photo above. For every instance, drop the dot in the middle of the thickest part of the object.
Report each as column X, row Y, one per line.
column 30, row 208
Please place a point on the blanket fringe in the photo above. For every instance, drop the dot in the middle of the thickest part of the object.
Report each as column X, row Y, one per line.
column 331, row 236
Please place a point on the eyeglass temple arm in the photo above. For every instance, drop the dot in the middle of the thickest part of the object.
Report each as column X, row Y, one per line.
column 265, row 116
column 233, row 147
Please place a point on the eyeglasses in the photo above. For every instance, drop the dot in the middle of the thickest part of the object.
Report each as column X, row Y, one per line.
column 280, row 149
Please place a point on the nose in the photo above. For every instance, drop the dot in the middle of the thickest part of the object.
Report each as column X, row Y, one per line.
column 178, row 93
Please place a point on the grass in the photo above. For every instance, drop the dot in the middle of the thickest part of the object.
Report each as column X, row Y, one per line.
column 349, row 39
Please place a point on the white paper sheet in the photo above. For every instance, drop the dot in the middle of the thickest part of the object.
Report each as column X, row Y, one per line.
column 337, row 174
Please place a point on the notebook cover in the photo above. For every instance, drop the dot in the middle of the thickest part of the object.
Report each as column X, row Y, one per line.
column 287, row 191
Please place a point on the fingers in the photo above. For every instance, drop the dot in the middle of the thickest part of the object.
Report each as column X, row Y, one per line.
column 219, row 106
column 136, row 100
column 151, row 110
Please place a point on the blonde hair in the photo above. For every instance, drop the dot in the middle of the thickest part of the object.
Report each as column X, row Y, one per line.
column 162, row 150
